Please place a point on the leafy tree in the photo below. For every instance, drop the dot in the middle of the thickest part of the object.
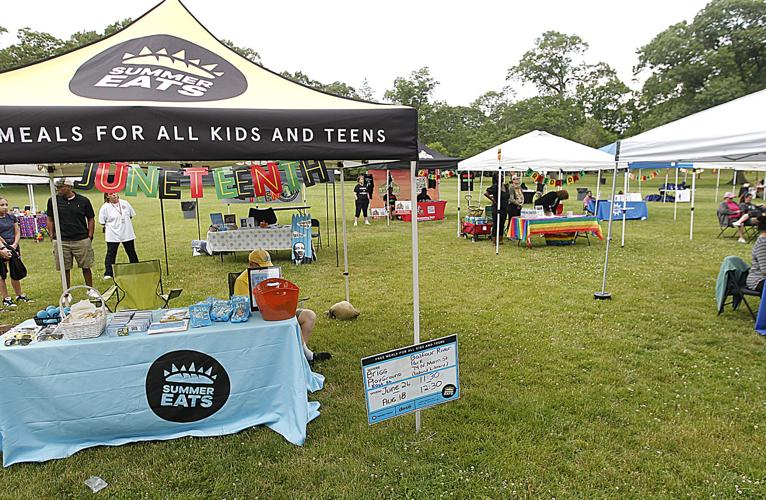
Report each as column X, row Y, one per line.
column 415, row 91
column 605, row 98
column 336, row 88
column 717, row 57
column 365, row 91
column 245, row 52
column 550, row 65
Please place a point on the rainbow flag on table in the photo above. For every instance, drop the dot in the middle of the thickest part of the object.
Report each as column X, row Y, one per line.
column 523, row 228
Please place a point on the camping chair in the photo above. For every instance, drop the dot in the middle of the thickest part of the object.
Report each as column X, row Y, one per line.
column 231, row 278
column 731, row 283
column 724, row 222
column 139, row 286
column 318, row 234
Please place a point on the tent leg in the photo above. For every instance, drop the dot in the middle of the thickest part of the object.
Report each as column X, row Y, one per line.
column 199, row 231
column 388, row 202
column 598, row 193
column 691, row 210
column 624, row 208
column 459, row 220
column 665, row 191
column 59, row 245
column 603, row 294
column 327, row 213
column 717, row 182
column 498, row 203
column 415, row 274
column 164, row 237
column 345, row 239
column 335, row 220
column 675, row 200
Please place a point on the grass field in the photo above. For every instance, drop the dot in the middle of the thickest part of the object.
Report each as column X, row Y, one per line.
column 648, row 395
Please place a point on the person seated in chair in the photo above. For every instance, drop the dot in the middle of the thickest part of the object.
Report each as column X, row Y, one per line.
column 551, row 200
column 731, row 211
column 306, row 317
column 757, row 274
column 586, row 201
column 423, row 196
column 749, row 208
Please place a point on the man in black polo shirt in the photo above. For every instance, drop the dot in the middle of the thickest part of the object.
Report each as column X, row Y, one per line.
column 77, row 223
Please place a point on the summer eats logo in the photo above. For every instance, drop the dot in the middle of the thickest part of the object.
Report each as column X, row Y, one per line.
column 158, row 68
column 186, row 386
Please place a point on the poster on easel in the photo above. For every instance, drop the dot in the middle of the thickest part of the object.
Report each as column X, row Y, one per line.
column 302, row 251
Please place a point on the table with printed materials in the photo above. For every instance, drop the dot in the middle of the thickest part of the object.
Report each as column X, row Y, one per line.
column 62, row 396
column 523, row 228
column 245, row 240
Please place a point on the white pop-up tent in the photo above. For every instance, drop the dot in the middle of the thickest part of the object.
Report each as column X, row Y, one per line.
column 29, row 181
column 730, row 135
column 539, row 151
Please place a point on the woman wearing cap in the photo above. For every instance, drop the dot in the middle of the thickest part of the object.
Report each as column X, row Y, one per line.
column 517, row 198
column 116, row 216
column 732, row 211
column 306, row 317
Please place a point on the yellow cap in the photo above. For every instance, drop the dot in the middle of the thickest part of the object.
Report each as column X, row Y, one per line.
column 259, row 258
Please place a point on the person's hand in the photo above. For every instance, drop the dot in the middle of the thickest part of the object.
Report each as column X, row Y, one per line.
column 5, row 254
column 90, row 236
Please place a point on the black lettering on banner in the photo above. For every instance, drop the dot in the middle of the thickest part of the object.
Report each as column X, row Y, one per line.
column 88, row 177
column 170, row 183
column 244, row 182
column 311, row 169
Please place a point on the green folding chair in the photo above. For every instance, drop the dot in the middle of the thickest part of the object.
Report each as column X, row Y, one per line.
column 139, row 286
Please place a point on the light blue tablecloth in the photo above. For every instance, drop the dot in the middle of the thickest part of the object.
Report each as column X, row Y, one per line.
column 59, row 397
column 635, row 210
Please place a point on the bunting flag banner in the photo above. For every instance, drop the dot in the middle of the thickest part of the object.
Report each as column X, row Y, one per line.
column 538, row 178
column 644, row 178
column 272, row 181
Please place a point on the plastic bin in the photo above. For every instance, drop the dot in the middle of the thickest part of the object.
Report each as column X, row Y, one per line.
column 277, row 299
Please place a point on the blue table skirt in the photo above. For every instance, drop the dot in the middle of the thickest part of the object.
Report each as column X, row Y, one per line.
column 636, row 210
column 59, row 397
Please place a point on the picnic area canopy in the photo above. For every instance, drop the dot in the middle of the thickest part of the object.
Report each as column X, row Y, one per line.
column 538, row 150
column 728, row 133
column 165, row 88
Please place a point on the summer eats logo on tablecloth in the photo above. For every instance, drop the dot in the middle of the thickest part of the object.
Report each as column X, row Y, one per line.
column 158, row 68
column 186, row 386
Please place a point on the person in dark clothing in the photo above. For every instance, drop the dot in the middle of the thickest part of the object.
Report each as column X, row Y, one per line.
column 504, row 196
column 361, row 200
column 551, row 200
column 423, row 196
column 390, row 200
column 77, row 221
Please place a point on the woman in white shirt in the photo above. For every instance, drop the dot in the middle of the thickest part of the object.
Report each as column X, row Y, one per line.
column 116, row 215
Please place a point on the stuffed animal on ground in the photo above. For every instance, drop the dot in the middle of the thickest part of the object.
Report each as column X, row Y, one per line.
column 343, row 311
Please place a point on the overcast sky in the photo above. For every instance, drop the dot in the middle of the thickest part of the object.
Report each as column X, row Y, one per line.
column 468, row 45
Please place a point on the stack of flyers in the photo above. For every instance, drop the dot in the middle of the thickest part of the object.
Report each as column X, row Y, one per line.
column 173, row 315
column 118, row 324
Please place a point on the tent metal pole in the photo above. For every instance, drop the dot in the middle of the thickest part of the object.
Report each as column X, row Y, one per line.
column 717, row 182
column 691, row 210
column 624, row 208
column 32, row 204
column 388, row 201
column 639, row 184
column 665, row 191
column 57, row 225
column 603, row 294
column 345, row 239
column 459, row 222
column 335, row 220
column 415, row 273
column 199, row 231
column 675, row 200
column 498, row 204
column 327, row 211
column 598, row 192
column 164, row 237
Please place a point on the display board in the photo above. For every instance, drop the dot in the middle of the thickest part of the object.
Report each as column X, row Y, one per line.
column 404, row 380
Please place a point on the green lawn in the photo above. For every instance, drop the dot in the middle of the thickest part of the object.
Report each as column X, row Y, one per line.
column 648, row 395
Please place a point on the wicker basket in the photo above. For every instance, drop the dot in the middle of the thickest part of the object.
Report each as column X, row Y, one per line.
column 82, row 329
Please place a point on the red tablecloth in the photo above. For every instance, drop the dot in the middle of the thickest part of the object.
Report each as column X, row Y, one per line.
column 427, row 210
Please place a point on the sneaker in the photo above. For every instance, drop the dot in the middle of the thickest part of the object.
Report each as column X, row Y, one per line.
column 366, row 223
column 92, row 294
column 23, row 298
column 7, row 302
column 355, row 223
column 742, row 240
column 107, row 277
column 736, row 223
column 320, row 356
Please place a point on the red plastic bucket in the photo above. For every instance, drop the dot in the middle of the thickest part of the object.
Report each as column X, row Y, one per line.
column 277, row 299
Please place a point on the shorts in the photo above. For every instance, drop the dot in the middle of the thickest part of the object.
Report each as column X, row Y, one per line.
column 81, row 251
column 5, row 265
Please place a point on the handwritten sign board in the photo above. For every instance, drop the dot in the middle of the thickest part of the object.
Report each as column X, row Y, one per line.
column 411, row 378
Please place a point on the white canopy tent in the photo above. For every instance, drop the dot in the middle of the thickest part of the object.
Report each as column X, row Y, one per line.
column 730, row 135
column 539, row 151
column 29, row 181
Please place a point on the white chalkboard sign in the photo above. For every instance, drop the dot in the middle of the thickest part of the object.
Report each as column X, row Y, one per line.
column 411, row 378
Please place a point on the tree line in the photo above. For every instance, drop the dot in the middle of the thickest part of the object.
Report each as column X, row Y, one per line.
column 719, row 56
